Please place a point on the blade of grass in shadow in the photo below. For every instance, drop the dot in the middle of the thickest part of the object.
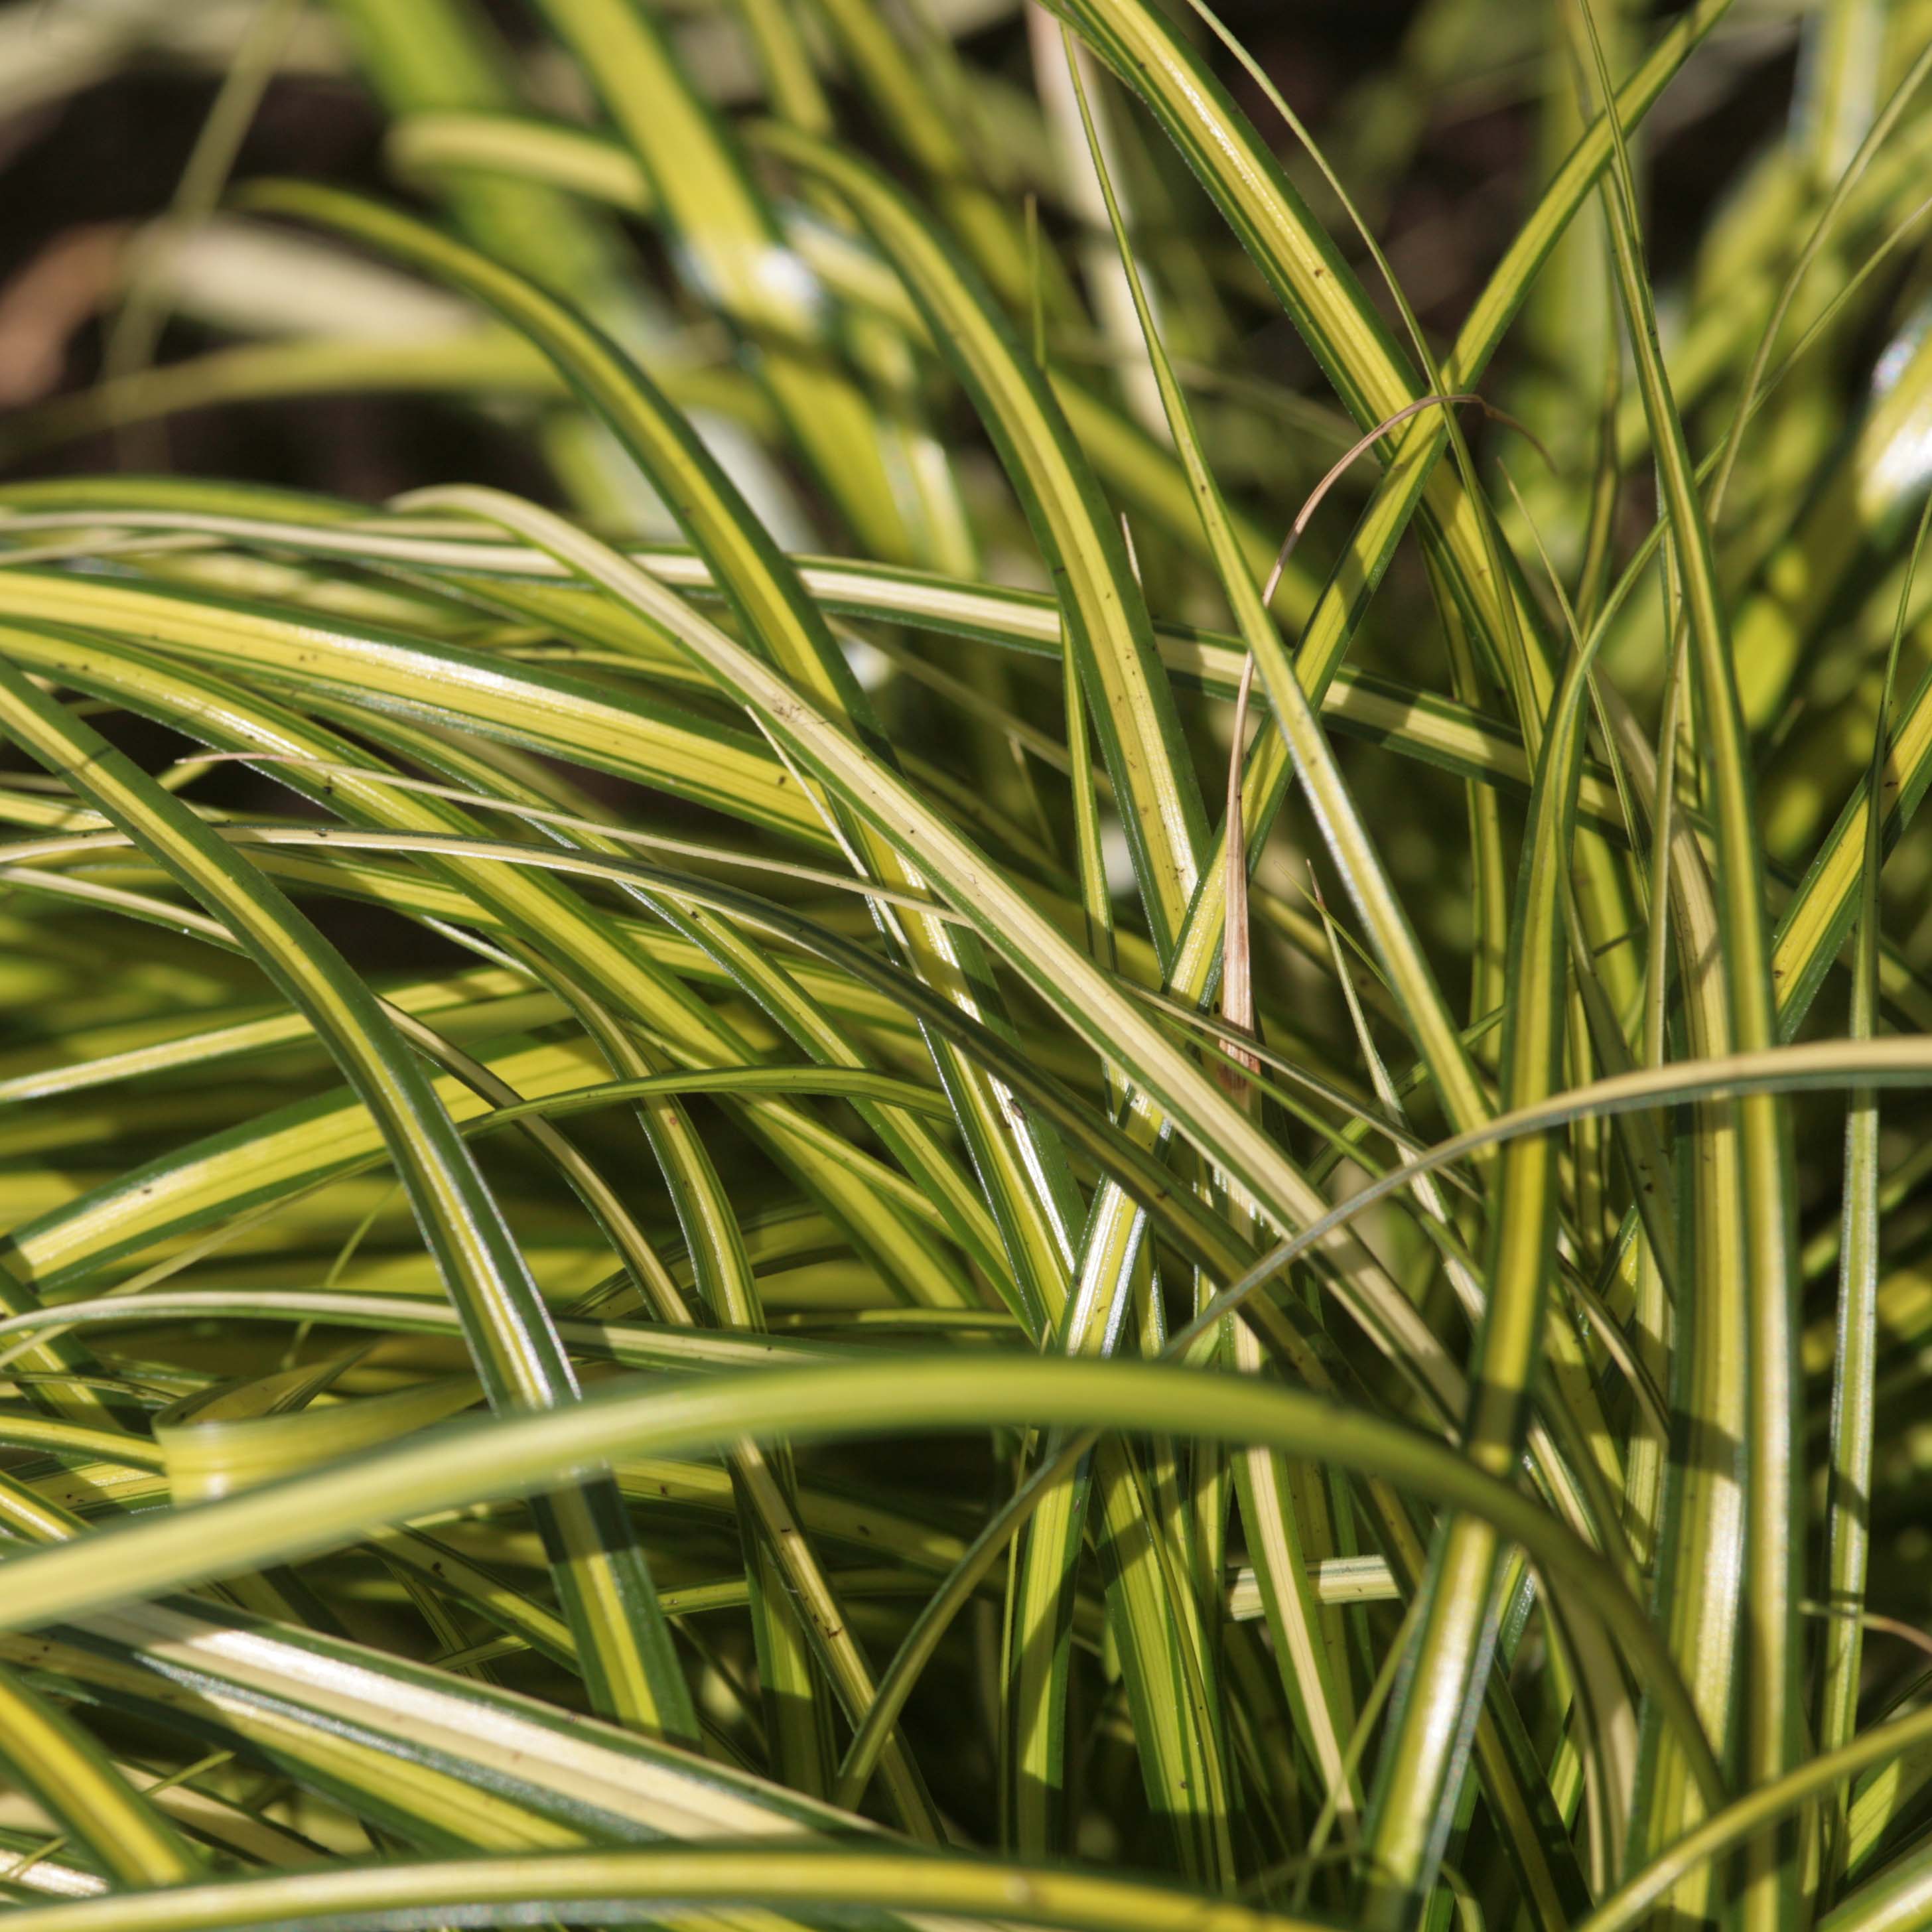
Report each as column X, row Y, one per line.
column 1031, row 1191
column 1848, row 1488
column 1414, row 984
column 1764, row 1703
column 1105, row 613
column 1415, row 1794
column 600, row 1577
column 460, row 1463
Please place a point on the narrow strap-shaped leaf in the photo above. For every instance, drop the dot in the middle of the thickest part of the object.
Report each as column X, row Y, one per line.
column 439, row 1760
column 459, row 1463
column 1035, row 949
column 51, row 1758
column 676, row 1882
column 689, row 756
column 715, row 216
column 1848, row 1490
column 705, row 1038
column 1107, row 623
column 1774, row 1502
column 1032, row 1193
column 600, row 1577
column 1897, row 1900
column 1188, row 101
column 1418, row 723
column 1414, row 1798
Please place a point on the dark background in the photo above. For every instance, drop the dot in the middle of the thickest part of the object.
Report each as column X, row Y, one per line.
column 111, row 153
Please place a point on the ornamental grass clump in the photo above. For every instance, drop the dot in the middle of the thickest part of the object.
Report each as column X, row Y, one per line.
column 992, row 1098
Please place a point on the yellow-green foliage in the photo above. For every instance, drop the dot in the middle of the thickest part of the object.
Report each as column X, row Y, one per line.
column 722, row 1212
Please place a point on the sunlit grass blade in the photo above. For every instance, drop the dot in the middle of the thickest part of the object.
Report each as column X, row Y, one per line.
column 712, row 210
column 576, row 1889
column 1031, row 1195
column 1848, row 1496
column 680, row 1239
column 1414, row 1798
column 69, row 1775
column 1768, row 1716
column 508, row 1456
column 1104, row 610
column 600, row 1576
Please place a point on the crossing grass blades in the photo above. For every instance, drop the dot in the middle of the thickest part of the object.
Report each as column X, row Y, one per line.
column 890, row 1177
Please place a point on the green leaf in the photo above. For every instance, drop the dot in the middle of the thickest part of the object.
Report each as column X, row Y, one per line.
column 600, row 1576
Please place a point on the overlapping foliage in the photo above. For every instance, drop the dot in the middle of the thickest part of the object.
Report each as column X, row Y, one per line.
column 877, row 1179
